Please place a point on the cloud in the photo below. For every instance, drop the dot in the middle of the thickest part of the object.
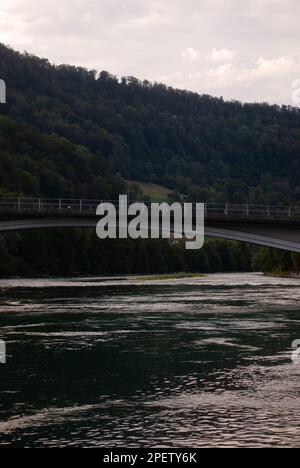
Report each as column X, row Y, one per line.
column 190, row 54
column 266, row 80
column 149, row 20
column 227, row 74
column 221, row 55
column 275, row 67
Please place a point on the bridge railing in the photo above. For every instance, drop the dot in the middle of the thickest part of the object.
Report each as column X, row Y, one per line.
column 256, row 211
column 48, row 205
column 83, row 206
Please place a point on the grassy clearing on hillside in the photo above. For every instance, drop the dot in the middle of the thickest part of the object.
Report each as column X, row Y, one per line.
column 156, row 192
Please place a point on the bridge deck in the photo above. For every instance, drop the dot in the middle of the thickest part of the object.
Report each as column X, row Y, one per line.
column 14, row 207
column 271, row 226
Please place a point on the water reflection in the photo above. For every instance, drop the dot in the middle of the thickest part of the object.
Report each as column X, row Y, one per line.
column 201, row 362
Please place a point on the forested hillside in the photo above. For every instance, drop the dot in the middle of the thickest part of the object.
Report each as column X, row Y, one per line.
column 70, row 132
column 65, row 129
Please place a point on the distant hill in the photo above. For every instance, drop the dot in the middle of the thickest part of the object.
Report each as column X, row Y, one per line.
column 68, row 132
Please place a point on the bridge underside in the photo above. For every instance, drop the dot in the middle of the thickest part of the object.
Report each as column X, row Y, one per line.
column 283, row 235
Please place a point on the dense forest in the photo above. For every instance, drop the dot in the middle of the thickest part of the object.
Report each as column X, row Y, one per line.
column 80, row 252
column 70, row 132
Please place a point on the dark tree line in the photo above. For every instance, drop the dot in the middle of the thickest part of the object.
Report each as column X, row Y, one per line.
column 80, row 252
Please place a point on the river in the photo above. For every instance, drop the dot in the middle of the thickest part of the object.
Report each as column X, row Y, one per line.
column 124, row 363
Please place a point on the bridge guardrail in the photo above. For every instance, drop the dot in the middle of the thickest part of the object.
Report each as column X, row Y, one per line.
column 83, row 206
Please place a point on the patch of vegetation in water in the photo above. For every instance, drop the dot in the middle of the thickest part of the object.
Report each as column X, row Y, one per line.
column 181, row 275
column 281, row 274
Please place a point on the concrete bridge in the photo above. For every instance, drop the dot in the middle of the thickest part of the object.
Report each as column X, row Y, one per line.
column 271, row 226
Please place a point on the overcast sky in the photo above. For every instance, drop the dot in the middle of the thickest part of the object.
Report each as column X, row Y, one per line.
column 240, row 49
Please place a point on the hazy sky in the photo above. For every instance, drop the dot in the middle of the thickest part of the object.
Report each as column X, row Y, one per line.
column 241, row 49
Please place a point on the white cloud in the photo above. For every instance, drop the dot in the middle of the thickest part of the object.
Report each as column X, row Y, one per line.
column 275, row 67
column 266, row 80
column 190, row 54
column 221, row 55
column 227, row 74
column 87, row 17
column 150, row 19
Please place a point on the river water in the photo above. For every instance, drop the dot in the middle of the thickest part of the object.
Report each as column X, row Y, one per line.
column 127, row 363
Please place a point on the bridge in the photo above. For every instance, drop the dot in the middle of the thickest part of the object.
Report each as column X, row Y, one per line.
column 271, row 226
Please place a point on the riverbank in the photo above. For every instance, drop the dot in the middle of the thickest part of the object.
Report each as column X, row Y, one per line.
column 282, row 274
column 170, row 276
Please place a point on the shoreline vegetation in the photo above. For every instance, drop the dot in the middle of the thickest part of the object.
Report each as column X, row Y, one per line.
column 181, row 275
column 277, row 263
column 80, row 253
column 281, row 274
